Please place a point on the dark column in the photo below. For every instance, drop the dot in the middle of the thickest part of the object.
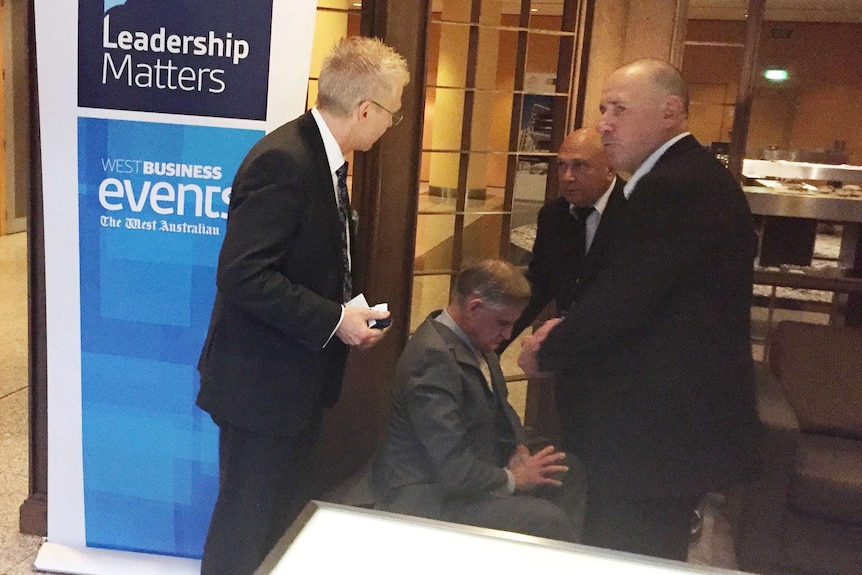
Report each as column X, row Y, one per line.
column 33, row 514
column 386, row 195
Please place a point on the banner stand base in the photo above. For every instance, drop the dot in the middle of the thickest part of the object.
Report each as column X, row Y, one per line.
column 57, row 558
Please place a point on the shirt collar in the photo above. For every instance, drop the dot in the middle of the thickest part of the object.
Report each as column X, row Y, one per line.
column 334, row 155
column 602, row 202
column 447, row 320
column 650, row 163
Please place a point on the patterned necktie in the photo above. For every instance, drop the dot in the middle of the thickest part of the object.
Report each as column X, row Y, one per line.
column 344, row 216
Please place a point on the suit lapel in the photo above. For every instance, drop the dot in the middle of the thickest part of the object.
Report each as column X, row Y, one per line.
column 464, row 355
column 506, row 421
column 684, row 145
column 311, row 134
column 607, row 225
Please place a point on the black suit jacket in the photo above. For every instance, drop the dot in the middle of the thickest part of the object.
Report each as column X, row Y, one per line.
column 655, row 381
column 264, row 366
column 557, row 261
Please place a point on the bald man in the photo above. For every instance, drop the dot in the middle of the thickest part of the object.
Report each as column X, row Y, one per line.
column 653, row 362
column 568, row 225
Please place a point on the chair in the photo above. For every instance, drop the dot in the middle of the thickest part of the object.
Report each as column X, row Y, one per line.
column 803, row 513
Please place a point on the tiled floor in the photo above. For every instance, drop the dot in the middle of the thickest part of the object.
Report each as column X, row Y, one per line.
column 17, row 551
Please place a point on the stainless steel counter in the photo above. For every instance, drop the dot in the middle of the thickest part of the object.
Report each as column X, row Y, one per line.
column 801, row 171
column 791, row 204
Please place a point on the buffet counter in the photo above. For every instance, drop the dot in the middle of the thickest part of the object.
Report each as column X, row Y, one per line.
column 792, row 197
column 806, row 171
column 813, row 205
column 828, row 192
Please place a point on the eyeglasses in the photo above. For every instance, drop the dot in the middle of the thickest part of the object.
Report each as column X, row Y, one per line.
column 396, row 117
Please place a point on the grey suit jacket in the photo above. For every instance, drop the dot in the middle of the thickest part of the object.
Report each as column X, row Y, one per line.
column 449, row 436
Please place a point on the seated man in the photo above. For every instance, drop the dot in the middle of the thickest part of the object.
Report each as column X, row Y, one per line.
column 456, row 449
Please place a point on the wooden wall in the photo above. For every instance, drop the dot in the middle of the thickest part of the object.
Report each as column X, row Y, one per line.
column 819, row 104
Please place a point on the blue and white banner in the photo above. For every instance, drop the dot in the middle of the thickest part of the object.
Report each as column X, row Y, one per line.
column 147, row 108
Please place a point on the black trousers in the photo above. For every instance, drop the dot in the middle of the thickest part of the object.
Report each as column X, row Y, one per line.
column 655, row 527
column 264, row 482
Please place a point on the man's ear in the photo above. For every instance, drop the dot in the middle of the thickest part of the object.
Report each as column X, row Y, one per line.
column 672, row 107
column 473, row 305
column 362, row 109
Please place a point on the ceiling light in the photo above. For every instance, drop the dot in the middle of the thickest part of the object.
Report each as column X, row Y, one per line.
column 776, row 74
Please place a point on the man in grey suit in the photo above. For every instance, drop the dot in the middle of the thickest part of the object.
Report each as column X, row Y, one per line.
column 279, row 334
column 456, row 448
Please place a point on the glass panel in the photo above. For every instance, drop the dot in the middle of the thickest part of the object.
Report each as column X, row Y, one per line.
column 816, row 109
column 523, row 229
column 481, row 236
column 713, row 76
column 329, row 28
column 542, row 55
column 537, row 113
column 430, row 293
column 487, row 105
column 706, row 10
column 715, row 31
column 438, row 188
column 434, row 235
column 712, row 67
column 486, row 183
column 546, row 15
column 443, row 133
column 451, row 60
column 506, row 58
column 432, row 52
column 534, row 139
column 451, row 10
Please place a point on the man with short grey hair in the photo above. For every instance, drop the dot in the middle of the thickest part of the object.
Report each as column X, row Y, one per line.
column 279, row 335
column 456, row 449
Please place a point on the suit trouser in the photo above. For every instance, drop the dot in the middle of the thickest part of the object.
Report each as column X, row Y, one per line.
column 264, row 482
column 656, row 527
column 517, row 513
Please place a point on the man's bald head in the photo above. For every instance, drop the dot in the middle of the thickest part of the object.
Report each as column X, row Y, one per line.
column 582, row 168
column 644, row 104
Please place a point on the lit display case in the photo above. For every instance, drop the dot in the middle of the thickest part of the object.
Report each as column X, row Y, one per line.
column 329, row 538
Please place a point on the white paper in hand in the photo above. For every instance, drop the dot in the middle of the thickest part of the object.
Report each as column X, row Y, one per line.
column 360, row 301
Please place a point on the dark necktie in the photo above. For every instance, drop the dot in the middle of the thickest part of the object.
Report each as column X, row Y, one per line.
column 581, row 215
column 344, row 217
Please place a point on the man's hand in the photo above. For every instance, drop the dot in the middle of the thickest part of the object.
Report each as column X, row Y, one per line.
column 537, row 469
column 354, row 330
column 521, row 453
column 530, row 347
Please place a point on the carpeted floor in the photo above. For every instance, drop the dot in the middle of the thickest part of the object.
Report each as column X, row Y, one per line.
column 18, row 551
